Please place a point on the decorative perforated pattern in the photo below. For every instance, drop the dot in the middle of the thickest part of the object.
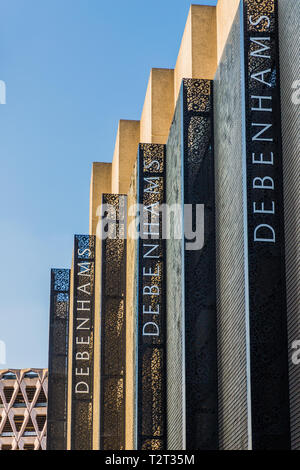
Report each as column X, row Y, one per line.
column 151, row 399
column 200, row 290
column 113, row 329
column 266, row 259
column 58, row 353
column 198, row 94
column 191, row 309
column 83, row 342
column 23, row 420
column 258, row 9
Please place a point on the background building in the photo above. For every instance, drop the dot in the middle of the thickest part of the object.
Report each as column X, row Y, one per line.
column 218, row 374
column 23, row 409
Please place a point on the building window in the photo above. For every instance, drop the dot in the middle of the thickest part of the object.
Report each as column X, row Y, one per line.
column 31, row 375
column 41, row 419
column 19, row 401
column 42, row 400
column 8, row 392
column 9, row 376
column 18, row 419
column 30, row 392
column 29, row 430
column 28, row 446
column 7, row 429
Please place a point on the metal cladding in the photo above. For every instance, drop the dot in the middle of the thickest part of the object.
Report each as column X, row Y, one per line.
column 113, row 325
column 230, row 260
column 58, row 354
column 151, row 322
column 83, row 343
column 191, row 286
column 199, row 267
column 265, row 229
column 289, row 45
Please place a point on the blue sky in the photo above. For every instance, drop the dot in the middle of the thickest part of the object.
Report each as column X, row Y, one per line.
column 72, row 68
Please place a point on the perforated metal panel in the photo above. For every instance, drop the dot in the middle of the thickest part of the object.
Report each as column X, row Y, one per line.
column 191, row 303
column 151, row 361
column 113, row 326
column 199, row 269
column 265, row 226
column 58, row 353
column 83, row 343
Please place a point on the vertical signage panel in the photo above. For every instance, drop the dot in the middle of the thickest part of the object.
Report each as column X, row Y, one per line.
column 113, row 324
column 201, row 388
column 265, row 212
column 58, row 353
column 151, row 321
column 83, row 343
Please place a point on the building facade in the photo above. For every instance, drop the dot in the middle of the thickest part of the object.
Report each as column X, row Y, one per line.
column 181, row 335
column 23, row 409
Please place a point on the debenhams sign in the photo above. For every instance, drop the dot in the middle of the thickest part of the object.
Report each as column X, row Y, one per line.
column 266, row 266
column 262, row 124
column 83, row 342
column 83, row 320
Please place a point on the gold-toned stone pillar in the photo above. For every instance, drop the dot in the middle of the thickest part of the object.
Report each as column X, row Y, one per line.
column 158, row 107
column 197, row 56
column 100, row 183
column 125, row 152
column 226, row 11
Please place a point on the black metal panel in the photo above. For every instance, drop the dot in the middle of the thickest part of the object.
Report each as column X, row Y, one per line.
column 113, row 325
column 151, row 321
column 83, row 342
column 267, row 292
column 199, row 268
column 58, row 360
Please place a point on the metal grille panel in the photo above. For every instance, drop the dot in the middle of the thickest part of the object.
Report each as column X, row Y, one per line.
column 113, row 326
column 191, row 291
column 83, row 343
column 58, row 353
column 151, row 399
column 265, row 214
column 199, row 269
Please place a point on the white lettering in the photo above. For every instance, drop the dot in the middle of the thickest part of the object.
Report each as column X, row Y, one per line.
column 154, row 329
column 261, row 183
column 265, row 128
column 266, row 228
column 85, row 388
